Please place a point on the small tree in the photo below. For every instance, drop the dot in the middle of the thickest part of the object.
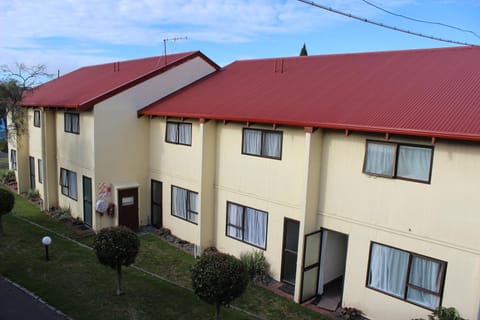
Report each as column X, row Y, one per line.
column 116, row 247
column 303, row 51
column 218, row 279
column 7, row 200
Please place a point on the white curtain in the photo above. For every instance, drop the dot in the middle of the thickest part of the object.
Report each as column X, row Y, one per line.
column 272, row 144
column 414, row 162
column 380, row 158
column 63, row 177
column 185, row 133
column 255, row 228
column 179, row 202
column 40, row 171
column 235, row 218
column 68, row 122
column 252, row 141
column 388, row 269
column 192, row 203
column 424, row 274
column 172, row 132
column 13, row 159
column 75, row 122
column 36, row 118
column 72, row 184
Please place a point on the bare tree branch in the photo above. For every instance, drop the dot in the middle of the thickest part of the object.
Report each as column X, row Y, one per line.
column 25, row 76
column 14, row 82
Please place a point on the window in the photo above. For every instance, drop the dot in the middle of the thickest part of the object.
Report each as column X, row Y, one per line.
column 395, row 160
column 179, row 133
column 247, row 225
column 72, row 122
column 184, row 204
column 406, row 275
column 36, row 118
column 68, row 181
column 40, row 171
column 13, row 159
column 262, row 143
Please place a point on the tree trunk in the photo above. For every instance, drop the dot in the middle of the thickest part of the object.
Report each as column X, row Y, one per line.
column 217, row 310
column 119, row 280
column 1, row 227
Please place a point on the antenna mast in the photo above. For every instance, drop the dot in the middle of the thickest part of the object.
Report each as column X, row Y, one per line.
column 165, row 44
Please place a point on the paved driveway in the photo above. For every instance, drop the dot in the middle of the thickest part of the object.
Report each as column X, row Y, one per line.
column 16, row 304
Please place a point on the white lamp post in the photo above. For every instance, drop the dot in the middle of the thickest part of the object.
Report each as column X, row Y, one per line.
column 46, row 241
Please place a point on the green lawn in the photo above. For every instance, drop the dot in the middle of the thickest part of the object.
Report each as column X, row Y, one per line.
column 74, row 282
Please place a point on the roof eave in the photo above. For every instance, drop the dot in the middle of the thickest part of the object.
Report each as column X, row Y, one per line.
column 349, row 127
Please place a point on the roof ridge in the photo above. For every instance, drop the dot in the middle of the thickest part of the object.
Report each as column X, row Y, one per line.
column 452, row 48
column 184, row 54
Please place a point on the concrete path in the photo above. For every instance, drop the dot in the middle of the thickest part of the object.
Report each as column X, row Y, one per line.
column 16, row 303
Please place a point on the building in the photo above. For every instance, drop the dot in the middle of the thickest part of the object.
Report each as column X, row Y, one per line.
column 84, row 147
column 355, row 168
column 351, row 169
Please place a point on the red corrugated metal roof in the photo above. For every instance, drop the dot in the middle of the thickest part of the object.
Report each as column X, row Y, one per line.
column 430, row 92
column 85, row 87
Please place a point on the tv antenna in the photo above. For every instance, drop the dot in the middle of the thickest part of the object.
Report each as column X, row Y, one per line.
column 174, row 39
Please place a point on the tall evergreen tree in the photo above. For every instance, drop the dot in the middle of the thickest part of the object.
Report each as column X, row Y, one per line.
column 304, row 52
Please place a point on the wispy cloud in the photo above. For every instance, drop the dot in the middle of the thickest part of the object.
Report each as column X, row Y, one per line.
column 29, row 27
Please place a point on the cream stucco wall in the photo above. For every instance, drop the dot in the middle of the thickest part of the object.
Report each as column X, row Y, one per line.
column 75, row 153
column 122, row 140
column 207, row 220
column 438, row 220
column 177, row 165
column 274, row 186
column 35, row 147
column 50, row 177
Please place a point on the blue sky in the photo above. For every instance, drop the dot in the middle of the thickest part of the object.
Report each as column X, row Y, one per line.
column 68, row 34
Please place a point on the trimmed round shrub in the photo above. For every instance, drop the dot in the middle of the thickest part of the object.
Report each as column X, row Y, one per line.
column 7, row 200
column 116, row 246
column 218, row 278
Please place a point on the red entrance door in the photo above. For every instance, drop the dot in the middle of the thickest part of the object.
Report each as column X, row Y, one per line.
column 128, row 208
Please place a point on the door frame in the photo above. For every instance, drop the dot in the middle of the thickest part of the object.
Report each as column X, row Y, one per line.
column 84, row 178
column 322, row 251
column 282, row 269
column 152, row 203
column 136, row 203
column 31, row 163
column 315, row 264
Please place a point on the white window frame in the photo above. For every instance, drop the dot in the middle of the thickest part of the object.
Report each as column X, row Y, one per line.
column 189, row 203
column 391, row 160
column 68, row 182
column 237, row 226
column 178, row 133
column 392, row 271
column 261, row 149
